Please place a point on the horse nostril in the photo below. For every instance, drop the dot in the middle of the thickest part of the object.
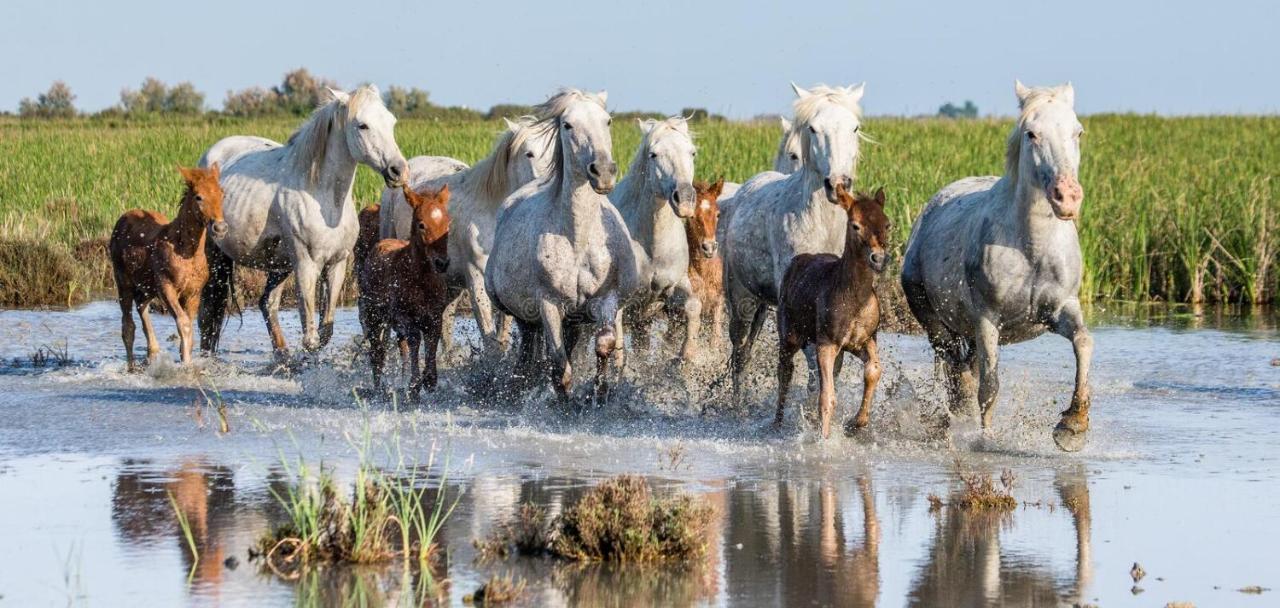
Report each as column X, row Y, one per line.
column 827, row 182
column 592, row 169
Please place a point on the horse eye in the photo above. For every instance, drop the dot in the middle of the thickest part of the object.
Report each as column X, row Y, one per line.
column 609, row 123
column 528, row 154
column 1031, row 135
column 568, row 126
column 199, row 199
column 695, row 152
column 812, row 130
column 795, row 156
column 857, row 128
column 422, row 226
column 653, row 155
column 363, row 127
column 856, row 228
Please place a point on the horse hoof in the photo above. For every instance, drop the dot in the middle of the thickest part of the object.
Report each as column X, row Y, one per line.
column 1068, row 439
column 853, row 427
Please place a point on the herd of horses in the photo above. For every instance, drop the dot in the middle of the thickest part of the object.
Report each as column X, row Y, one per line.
column 543, row 232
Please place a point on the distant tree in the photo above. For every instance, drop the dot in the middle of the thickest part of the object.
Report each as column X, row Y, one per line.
column 700, row 114
column 950, row 110
column 300, row 92
column 253, row 101
column 57, row 102
column 412, row 102
column 154, row 97
column 509, row 110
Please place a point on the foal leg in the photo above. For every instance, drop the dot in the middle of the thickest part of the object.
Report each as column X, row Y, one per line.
column 827, row 354
column 786, row 369
column 988, row 353
column 410, row 332
column 269, row 306
column 870, row 356
column 180, row 318
column 1071, row 429
column 153, row 346
column 213, row 298
column 127, row 327
column 430, row 328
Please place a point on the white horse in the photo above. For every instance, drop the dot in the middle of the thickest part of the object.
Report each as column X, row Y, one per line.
column 654, row 198
column 520, row 156
column 566, row 257
column 229, row 149
column 288, row 210
column 996, row 260
column 774, row 217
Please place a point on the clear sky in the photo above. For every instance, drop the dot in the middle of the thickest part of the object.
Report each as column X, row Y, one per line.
column 732, row 57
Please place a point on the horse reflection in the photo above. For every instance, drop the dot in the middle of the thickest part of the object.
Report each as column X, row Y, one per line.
column 966, row 565
column 204, row 494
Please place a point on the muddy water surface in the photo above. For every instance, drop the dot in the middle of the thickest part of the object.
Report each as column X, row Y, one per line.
column 1182, row 474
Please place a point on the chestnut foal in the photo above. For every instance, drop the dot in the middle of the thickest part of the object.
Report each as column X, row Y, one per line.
column 154, row 258
column 831, row 302
column 706, row 270
column 403, row 287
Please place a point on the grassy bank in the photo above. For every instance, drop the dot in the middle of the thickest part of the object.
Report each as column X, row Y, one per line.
column 1178, row 209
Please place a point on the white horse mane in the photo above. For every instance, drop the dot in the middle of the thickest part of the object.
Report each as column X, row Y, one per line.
column 309, row 144
column 807, row 106
column 547, row 120
column 491, row 181
column 1033, row 99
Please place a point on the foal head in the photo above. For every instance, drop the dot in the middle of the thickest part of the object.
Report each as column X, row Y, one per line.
column 204, row 196
column 706, row 214
column 868, row 224
column 430, row 225
column 1044, row 148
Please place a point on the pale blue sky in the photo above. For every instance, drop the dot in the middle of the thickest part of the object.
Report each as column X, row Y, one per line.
column 1170, row 57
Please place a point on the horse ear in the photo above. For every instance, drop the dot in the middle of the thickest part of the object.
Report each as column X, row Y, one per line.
column 880, row 196
column 1069, row 94
column 786, row 124
column 443, row 194
column 511, row 126
column 646, row 124
column 1021, row 91
column 800, row 91
column 718, row 187
column 857, row 90
column 410, row 196
column 332, row 94
column 604, row 97
column 373, row 88
column 215, row 171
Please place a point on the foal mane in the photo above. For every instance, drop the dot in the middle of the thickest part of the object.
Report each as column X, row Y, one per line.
column 1036, row 97
column 310, row 143
column 546, row 117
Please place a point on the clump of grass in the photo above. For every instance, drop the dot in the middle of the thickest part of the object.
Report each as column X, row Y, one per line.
column 980, row 493
column 497, row 590
column 387, row 516
column 529, row 534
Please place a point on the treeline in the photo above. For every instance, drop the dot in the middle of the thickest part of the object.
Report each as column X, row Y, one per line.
column 298, row 93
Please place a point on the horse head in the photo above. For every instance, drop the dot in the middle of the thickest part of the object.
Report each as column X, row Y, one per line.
column 868, row 223
column 668, row 162
column 370, row 132
column 706, row 215
column 829, row 122
column 1044, row 148
column 430, row 232
column 205, row 193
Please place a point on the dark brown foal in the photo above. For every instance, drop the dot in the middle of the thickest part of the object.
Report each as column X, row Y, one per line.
column 831, row 302
column 154, row 258
column 403, row 288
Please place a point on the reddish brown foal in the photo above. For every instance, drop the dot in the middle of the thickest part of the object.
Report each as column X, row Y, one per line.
column 403, row 288
column 154, row 258
column 831, row 302
column 706, row 270
column 368, row 237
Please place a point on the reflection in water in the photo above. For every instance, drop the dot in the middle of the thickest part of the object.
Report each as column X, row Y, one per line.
column 966, row 567
column 205, row 494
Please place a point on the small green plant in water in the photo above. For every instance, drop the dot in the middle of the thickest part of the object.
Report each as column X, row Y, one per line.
column 981, row 492
column 186, row 533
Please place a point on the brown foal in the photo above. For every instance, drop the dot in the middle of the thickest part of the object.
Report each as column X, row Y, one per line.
column 706, row 270
column 154, row 258
column 831, row 302
column 403, row 288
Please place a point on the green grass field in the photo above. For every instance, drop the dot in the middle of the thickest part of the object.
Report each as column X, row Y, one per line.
column 1175, row 208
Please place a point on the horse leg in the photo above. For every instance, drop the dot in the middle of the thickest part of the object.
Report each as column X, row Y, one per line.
column 213, row 297
column 787, row 348
column 870, row 356
column 1070, row 431
column 987, row 350
column 504, row 328
column 715, row 325
column 607, row 317
column 269, row 305
column 307, row 274
column 561, row 371
column 431, row 343
column 447, row 318
column 153, row 346
column 482, row 310
column 335, row 275
column 414, row 337
column 127, row 328
column 529, row 344
column 827, row 355
column 376, row 333
column 692, row 308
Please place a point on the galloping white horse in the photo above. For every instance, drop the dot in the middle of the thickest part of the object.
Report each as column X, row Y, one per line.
column 654, row 198
column 774, row 217
column 520, row 156
column 996, row 260
column 566, row 257
column 288, row 210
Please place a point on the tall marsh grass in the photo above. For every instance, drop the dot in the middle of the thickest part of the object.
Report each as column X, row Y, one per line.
column 1179, row 209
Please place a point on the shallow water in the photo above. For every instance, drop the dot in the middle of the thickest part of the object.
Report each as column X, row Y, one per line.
column 1180, row 474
